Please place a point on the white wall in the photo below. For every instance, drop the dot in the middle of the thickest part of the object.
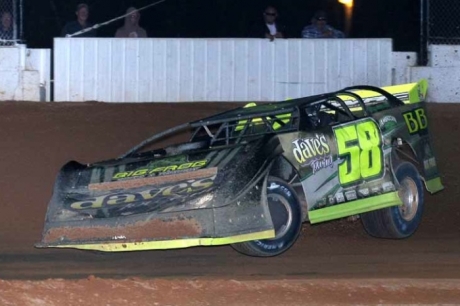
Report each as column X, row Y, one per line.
column 24, row 73
column 442, row 72
column 40, row 60
column 402, row 62
column 172, row 70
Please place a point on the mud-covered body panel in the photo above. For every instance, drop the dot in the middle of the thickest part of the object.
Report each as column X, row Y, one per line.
column 112, row 189
column 82, row 203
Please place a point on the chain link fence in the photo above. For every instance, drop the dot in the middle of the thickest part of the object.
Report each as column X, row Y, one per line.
column 443, row 26
column 10, row 21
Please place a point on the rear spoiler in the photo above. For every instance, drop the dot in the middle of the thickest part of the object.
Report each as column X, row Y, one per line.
column 408, row 93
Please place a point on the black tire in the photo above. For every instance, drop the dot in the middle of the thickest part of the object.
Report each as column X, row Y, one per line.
column 399, row 221
column 285, row 211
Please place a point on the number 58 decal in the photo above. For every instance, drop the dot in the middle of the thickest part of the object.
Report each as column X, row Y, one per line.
column 359, row 145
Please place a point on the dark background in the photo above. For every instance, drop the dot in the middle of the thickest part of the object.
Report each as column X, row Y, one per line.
column 397, row 19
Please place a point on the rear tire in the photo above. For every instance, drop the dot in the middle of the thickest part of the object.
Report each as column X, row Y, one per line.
column 285, row 211
column 402, row 221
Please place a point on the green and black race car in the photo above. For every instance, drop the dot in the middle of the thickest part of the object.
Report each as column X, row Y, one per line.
column 250, row 177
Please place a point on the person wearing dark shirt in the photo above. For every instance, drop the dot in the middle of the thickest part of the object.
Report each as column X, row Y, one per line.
column 269, row 28
column 80, row 24
column 6, row 27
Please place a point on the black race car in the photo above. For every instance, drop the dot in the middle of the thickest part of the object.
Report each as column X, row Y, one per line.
column 250, row 177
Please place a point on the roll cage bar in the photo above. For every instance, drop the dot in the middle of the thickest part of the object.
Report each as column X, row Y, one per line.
column 234, row 126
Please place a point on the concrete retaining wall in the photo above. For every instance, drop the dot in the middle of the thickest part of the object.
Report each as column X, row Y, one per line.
column 25, row 73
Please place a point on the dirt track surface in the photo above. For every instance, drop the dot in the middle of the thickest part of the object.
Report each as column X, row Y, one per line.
column 331, row 263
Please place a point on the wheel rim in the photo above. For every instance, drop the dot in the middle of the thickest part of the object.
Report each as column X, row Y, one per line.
column 410, row 199
column 281, row 214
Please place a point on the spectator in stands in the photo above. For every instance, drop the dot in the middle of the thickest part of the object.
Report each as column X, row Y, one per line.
column 270, row 28
column 320, row 29
column 81, row 23
column 131, row 27
column 6, row 28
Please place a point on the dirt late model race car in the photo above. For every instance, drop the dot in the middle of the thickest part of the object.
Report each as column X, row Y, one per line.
column 250, row 177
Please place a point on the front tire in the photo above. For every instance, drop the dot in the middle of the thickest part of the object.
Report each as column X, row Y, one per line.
column 399, row 221
column 286, row 214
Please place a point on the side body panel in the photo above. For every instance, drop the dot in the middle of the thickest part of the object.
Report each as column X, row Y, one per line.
column 347, row 169
column 410, row 123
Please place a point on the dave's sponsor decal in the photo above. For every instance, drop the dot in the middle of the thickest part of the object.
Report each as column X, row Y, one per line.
column 313, row 151
column 179, row 191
